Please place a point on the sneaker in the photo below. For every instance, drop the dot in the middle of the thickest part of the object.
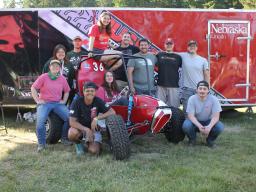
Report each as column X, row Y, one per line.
column 211, row 145
column 79, row 149
column 40, row 148
column 66, row 142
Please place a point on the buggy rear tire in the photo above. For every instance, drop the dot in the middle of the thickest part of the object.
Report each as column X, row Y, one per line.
column 118, row 136
column 53, row 128
column 173, row 129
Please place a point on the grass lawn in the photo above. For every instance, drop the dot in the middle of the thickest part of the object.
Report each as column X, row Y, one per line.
column 154, row 165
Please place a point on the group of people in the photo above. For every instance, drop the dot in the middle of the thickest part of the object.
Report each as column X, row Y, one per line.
column 56, row 86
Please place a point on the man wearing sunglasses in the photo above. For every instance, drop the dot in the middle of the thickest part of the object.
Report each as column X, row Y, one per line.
column 84, row 114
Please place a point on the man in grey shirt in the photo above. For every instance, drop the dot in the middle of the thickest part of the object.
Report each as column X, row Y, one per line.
column 194, row 69
column 137, row 71
column 203, row 115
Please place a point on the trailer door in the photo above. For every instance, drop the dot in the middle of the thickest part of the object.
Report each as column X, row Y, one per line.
column 228, row 56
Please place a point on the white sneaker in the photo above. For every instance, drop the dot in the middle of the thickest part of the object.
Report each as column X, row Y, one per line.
column 40, row 148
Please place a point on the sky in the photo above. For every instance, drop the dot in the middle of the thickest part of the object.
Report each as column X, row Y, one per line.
column 1, row 3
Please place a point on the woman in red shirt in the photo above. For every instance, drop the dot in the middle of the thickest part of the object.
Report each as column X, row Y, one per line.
column 99, row 35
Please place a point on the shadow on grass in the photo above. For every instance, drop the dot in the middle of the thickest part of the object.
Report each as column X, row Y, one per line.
column 231, row 113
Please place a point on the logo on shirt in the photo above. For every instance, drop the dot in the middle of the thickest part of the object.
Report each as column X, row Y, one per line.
column 75, row 62
column 168, row 58
column 103, row 39
column 71, row 111
column 149, row 62
column 142, row 62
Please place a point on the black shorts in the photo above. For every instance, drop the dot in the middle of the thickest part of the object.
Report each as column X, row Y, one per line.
column 97, row 51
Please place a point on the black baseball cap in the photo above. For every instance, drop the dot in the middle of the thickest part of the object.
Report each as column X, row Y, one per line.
column 192, row 42
column 90, row 84
column 203, row 83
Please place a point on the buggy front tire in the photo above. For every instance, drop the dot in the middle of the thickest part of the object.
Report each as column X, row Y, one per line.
column 118, row 136
column 173, row 129
column 53, row 128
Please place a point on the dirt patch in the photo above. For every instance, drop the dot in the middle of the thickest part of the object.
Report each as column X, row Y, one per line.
column 10, row 138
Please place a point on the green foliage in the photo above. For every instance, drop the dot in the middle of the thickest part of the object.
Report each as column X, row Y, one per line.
column 58, row 3
column 223, row 4
column 214, row 4
column 249, row 4
column 9, row 3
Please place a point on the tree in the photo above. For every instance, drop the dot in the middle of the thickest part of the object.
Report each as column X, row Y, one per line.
column 213, row 4
column 249, row 4
column 83, row 3
column 58, row 3
column 224, row 4
column 9, row 3
column 150, row 3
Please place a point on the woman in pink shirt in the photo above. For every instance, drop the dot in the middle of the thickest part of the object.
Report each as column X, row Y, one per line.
column 99, row 35
column 109, row 91
column 51, row 85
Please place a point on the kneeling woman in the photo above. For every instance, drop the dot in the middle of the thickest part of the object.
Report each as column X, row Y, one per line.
column 51, row 85
column 99, row 36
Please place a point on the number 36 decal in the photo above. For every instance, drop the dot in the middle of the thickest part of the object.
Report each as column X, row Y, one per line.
column 98, row 67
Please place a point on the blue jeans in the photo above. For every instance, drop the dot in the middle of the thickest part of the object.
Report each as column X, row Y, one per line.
column 190, row 130
column 185, row 94
column 43, row 111
column 145, row 92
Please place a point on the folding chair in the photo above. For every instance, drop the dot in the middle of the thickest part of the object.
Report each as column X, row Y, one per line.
column 3, row 127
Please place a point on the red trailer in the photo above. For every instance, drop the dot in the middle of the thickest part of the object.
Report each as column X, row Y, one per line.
column 225, row 37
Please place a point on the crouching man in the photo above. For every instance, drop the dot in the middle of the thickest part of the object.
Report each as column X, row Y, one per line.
column 203, row 112
column 84, row 114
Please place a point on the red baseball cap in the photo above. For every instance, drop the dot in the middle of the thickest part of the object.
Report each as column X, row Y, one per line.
column 169, row 40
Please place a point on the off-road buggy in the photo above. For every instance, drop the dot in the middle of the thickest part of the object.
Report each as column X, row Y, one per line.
column 143, row 114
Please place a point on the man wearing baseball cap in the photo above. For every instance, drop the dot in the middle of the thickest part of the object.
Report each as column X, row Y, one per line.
column 75, row 55
column 203, row 111
column 168, row 64
column 84, row 114
column 194, row 69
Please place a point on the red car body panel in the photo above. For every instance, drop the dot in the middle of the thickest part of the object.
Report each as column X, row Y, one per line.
column 90, row 70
